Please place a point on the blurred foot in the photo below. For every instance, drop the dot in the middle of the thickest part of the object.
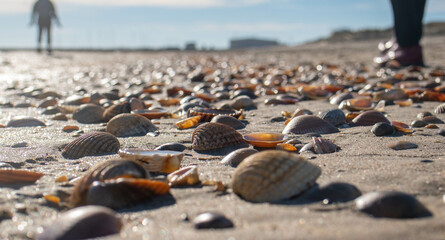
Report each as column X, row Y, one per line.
column 39, row 50
column 384, row 47
column 405, row 56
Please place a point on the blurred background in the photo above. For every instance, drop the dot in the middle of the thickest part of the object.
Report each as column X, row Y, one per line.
column 198, row 24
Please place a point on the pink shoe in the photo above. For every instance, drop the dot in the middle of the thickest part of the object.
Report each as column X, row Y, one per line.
column 404, row 55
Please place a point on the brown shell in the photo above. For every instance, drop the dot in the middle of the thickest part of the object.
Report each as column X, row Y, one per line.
column 273, row 175
column 91, row 144
column 89, row 113
column 432, row 119
column 229, row 121
column 213, row 136
column 242, row 102
column 106, row 170
column 116, row 109
column 25, row 122
column 12, row 176
column 322, row 145
column 185, row 176
column 402, row 145
column 208, row 113
column 127, row 124
column 236, row 157
column 440, row 109
column 370, row 118
column 307, row 124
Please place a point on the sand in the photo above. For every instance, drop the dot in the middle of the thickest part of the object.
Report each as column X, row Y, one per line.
column 364, row 159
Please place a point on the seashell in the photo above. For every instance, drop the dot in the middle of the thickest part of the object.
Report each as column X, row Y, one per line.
column 106, row 170
column 431, row 126
column 264, row 139
column 166, row 102
column 357, row 104
column 289, row 99
column 418, row 124
column 137, row 104
column 337, row 99
column 380, row 106
column 272, row 175
column 432, row 119
column 391, row 205
column 124, row 192
column 244, row 92
column 51, row 111
column 127, row 124
column 154, row 161
column 402, row 127
column 77, row 100
column 13, row 176
column 404, row 103
column 286, row 147
column 229, row 121
column 441, row 132
column 206, row 96
column 212, row 220
column 424, row 114
column 151, row 113
column 184, row 176
column 402, row 145
column 440, row 109
column 308, row 147
column 91, row 144
column 116, row 109
column 274, row 102
column 216, row 136
column 48, row 102
column 383, row 129
column 188, row 122
column 89, row 113
column 306, row 124
column 369, row 118
column 68, row 109
column 60, row 117
column 335, row 192
column 242, row 102
column 208, row 113
column 47, row 94
column 83, row 223
column 70, row 128
column 178, row 147
column 237, row 156
column 313, row 92
column 350, row 116
column 335, row 116
column 390, row 95
column 24, row 121
column 322, row 145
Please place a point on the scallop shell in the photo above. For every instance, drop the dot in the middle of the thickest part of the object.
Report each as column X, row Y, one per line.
column 89, row 113
column 440, row 109
column 216, row 136
column 229, row 121
column 307, row 124
column 273, row 175
column 185, row 176
column 124, row 192
column 13, row 176
column 391, row 205
column 237, row 156
column 208, row 113
column 116, row 109
column 335, row 116
column 127, row 124
column 25, row 122
column 91, row 144
column 369, row 118
column 154, row 161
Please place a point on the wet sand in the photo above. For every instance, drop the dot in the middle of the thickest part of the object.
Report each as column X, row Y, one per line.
column 364, row 159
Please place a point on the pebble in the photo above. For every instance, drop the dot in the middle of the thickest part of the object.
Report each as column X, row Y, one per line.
column 212, row 220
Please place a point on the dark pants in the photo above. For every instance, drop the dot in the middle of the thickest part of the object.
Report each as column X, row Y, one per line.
column 408, row 15
column 45, row 25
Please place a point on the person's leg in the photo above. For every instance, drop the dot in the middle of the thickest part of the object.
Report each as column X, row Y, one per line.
column 408, row 16
column 39, row 38
column 48, row 29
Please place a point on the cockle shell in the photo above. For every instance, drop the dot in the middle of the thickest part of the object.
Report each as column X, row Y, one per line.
column 273, row 175
column 335, row 116
column 357, row 104
column 24, row 121
column 13, row 176
column 242, row 102
column 369, row 118
column 208, row 113
column 116, row 109
column 307, row 124
column 127, row 124
column 91, row 144
column 89, row 113
column 229, row 121
column 188, row 122
column 237, row 156
column 185, row 176
column 440, row 109
column 214, row 136
column 154, row 160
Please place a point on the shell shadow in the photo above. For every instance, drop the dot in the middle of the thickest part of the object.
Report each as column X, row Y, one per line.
column 152, row 204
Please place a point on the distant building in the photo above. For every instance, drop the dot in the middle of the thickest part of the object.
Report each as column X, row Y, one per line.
column 252, row 43
column 190, row 46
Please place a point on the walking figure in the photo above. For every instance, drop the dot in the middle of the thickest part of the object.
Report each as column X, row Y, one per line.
column 45, row 11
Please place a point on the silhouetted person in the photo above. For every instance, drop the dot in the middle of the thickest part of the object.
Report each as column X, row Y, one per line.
column 45, row 11
column 405, row 46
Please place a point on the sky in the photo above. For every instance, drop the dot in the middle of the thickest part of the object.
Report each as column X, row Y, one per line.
column 208, row 23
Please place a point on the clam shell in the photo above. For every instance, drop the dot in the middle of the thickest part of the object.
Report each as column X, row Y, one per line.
column 91, row 144
column 185, row 176
column 116, row 109
column 229, row 121
column 124, row 192
column 273, row 175
column 307, row 124
column 432, row 119
column 208, row 113
column 390, row 95
column 335, row 116
column 337, row 99
column 25, row 122
column 424, row 114
column 215, row 136
column 418, row 124
column 154, row 161
column 127, row 124
column 391, row 205
column 242, row 102
column 48, row 102
column 383, row 129
column 237, row 156
column 172, row 147
column 89, row 113
column 357, row 104
column 402, row 145
column 369, row 118
column 265, row 139
column 212, row 220
column 334, row 192
column 440, row 109
column 83, row 223
column 13, row 176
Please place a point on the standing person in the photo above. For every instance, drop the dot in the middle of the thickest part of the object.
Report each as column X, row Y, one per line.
column 46, row 12
column 405, row 47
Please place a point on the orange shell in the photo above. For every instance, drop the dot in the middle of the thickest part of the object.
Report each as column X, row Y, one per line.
column 12, row 176
column 265, row 140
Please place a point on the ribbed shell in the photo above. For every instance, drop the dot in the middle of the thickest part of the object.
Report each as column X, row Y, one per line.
column 440, row 109
column 89, row 113
column 307, row 124
column 229, row 121
column 208, row 113
column 322, row 146
column 127, row 124
column 335, row 116
column 273, row 175
column 116, row 109
column 91, row 144
column 370, row 118
column 213, row 136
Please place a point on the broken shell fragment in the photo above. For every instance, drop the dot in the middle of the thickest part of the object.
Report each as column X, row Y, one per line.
column 185, row 176
column 154, row 160
column 264, row 139
column 188, row 122
column 322, row 145
column 91, row 144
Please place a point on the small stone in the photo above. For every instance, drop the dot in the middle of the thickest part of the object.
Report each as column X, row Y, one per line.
column 382, row 129
column 212, row 220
